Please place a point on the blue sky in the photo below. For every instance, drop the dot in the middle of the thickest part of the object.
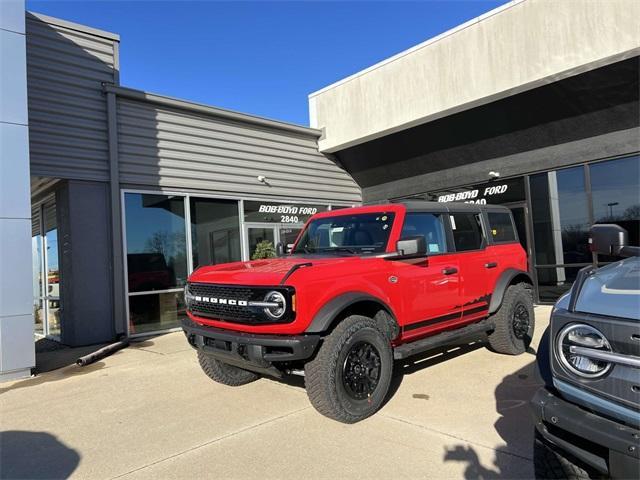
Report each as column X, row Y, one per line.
column 263, row 57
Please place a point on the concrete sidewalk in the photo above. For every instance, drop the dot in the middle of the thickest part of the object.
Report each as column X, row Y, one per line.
column 149, row 412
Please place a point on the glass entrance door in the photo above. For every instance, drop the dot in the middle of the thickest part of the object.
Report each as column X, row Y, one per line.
column 261, row 239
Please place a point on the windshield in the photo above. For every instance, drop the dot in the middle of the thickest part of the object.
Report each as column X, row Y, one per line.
column 350, row 234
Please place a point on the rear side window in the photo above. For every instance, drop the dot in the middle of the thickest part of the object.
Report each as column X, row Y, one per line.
column 467, row 231
column 501, row 227
column 429, row 225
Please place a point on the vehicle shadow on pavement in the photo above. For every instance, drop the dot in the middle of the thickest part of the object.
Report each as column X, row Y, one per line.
column 515, row 426
column 35, row 455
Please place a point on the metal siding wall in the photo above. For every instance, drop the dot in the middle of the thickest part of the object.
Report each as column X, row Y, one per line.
column 67, row 109
column 172, row 148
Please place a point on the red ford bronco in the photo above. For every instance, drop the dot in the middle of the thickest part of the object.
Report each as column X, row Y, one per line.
column 362, row 287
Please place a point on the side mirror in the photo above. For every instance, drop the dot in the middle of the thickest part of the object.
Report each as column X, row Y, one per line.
column 415, row 246
column 608, row 239
column 280, row 250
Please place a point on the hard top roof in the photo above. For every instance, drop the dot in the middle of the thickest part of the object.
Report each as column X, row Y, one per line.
column 449, row 207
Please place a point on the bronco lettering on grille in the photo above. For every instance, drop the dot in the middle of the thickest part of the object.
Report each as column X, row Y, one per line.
column 222, row 301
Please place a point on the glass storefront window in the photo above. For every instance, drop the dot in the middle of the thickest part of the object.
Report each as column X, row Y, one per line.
column 615, row 191
column 53, row 270
column 156, row 242
column 36, row 255
column 156, row 260
column 215, row 231
column 560, row 217
column 155, row 311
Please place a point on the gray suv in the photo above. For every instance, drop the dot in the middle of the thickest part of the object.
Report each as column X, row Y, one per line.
column 587, row 415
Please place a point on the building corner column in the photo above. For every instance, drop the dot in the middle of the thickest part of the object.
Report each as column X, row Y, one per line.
column 17, row 345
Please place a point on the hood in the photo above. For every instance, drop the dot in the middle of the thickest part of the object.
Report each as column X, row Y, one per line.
column 257, row 272
column 613, row 290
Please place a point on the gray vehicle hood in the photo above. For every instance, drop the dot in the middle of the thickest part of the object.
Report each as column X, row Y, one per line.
column 613, row 290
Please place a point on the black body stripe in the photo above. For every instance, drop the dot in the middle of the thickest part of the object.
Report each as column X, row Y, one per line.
column 444, row 318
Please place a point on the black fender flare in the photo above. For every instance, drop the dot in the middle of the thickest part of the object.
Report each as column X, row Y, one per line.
column 505, row 279
column 324, row 317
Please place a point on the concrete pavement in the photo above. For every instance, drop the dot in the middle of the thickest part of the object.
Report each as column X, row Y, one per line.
column 149, row 412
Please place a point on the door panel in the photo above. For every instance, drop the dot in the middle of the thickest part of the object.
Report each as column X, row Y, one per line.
column 477, row 264
column 430, row 297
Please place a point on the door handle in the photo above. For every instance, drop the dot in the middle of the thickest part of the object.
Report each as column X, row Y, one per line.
column 449, row 270
column 491, row 265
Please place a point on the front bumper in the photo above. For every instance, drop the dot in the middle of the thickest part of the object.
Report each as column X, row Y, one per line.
column 609, row 447
column 250, row 351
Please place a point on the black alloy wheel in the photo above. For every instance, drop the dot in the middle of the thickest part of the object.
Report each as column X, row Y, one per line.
column 520, row 321
column 361, row 370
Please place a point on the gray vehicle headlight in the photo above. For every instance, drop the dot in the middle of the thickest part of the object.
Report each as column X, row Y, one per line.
column 577, row 347
column 279, row 307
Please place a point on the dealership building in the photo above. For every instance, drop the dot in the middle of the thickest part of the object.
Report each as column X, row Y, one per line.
column 111, row 196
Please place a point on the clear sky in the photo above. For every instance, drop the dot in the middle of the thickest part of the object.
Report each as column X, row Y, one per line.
column 263, row 57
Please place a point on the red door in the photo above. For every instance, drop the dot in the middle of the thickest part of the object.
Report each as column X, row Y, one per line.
column 476, row 264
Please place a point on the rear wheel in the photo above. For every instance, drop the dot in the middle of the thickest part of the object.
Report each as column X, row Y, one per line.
column 223, row 372
column 350, row 376
column 514, row 321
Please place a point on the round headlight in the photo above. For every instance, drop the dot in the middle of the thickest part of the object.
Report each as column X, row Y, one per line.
column 276, row 298
column 575, row 342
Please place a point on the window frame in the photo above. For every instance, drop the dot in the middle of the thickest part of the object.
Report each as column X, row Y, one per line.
column 483, row 231
column 490, row 238
column 446, row 227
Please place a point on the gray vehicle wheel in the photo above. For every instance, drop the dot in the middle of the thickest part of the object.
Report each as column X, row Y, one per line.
column 349, row 378
column 550, row 463
column 223, row 372
column 514, row 320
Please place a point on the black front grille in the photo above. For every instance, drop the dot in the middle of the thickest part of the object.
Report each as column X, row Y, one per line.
column 234, row 313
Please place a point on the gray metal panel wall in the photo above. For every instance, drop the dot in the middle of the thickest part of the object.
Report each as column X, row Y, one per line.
column 67, row 109
column 85, row 262
column 175, row 148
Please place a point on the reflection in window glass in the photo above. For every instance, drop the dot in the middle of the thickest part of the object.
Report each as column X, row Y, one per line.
column 560, row 217
column 155, row 311
column 156, row 242
column 615, row 190
column 215, row 231
column 428, row 225
column 53, row 270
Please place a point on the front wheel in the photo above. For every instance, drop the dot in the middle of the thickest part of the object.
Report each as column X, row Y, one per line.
column 550, row 463
column 223, row 372
column 514, row 321
column 350, row 376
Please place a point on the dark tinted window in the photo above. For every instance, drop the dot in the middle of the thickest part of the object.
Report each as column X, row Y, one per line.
column 156, row 242
column 430, row 226
column 467, row 231
column 501, row 227
column 215, row 231
column 362, row 233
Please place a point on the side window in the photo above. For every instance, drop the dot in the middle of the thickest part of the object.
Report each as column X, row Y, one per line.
column 429, row 225
column 467, row 231
column 501, row 227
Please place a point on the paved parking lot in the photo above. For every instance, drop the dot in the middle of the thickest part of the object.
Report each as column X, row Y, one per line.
column 148, row 412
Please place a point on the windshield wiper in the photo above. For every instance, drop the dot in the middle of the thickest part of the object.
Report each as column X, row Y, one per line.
column 341, row 249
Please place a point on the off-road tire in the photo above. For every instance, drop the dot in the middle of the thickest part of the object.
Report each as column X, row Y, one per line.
column 550, row 463
column 503, row 339
column 224, row 373
column 324, row 374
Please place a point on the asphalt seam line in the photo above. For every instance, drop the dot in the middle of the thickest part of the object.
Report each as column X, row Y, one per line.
column 433, row 430
column 211, row 442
